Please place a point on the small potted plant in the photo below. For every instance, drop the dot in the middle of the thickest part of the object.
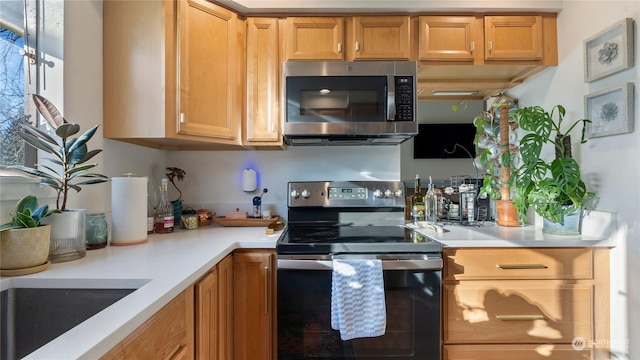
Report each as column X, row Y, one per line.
column 555, row 188
column 498, row 153
column 68, row 169
column 176, row 174
column 25, row 241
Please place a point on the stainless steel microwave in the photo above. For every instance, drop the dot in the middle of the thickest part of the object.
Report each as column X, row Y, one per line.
column 349, row 103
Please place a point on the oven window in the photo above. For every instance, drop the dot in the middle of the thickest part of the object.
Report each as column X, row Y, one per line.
column 304, row 318
column 336, row 98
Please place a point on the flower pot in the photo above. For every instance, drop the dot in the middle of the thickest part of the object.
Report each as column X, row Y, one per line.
column 25, row 248
column 67, row 235
column 507, row 213
column 571, row 225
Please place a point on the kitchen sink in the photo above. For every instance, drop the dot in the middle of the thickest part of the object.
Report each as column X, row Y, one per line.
column 32, row 317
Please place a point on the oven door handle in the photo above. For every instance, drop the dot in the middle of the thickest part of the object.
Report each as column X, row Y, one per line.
column 398, row 264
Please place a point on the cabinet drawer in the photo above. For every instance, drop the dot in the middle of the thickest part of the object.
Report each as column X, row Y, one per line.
column 510, row 352
column 518, row 263
column 517, row 312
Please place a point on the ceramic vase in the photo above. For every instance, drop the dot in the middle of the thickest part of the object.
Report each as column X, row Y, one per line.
column 571, row 225
column 24, row 248
column 67, row 235
column 507, row 215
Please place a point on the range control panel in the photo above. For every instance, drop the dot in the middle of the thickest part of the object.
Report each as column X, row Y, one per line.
column 347, row 194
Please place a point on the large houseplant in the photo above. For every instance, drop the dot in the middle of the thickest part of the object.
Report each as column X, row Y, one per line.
column 498, row 154
column 555, row 188
column 68, row 169
column 25, row 241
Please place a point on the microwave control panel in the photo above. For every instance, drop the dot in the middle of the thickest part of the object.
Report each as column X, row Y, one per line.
column 404, row 98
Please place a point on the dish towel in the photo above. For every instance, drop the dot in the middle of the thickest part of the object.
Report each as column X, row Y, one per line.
column 357, row 298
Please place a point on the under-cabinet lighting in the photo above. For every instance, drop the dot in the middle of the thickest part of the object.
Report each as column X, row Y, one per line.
column 454, row 93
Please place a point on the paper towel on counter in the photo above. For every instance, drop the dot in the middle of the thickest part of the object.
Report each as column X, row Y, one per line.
column 128, row 210
column 249, row 180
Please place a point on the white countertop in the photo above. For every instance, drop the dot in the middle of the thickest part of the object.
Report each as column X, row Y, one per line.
column 168, row 263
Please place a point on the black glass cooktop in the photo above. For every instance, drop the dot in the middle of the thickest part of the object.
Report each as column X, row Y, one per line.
column 301, row 239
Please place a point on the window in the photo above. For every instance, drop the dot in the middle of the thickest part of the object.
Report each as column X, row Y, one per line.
column 18, row 78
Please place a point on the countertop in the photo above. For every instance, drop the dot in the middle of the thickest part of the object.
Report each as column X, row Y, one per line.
column 169, row 263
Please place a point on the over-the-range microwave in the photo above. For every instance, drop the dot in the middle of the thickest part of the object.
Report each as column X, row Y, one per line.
column 349, row 103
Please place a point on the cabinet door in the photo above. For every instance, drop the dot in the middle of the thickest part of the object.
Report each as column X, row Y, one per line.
column 207, row 60
column 225, row 308
column 520, row 352
column 166, row 335
column 253, row 306
column 263, row 79
column 207, row 316
column 450, row 38
column 314, row 38
column 381, row 37
column 513, row 37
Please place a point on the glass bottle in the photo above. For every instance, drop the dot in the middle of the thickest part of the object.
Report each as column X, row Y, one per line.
column 431, row 204
column 164, row 211
column 417, row 203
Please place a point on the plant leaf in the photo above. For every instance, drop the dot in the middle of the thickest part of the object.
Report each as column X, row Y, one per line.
column 76, row 153
column 84, row 138
column 89, row 155
column 566, row 173
column 67, row 129
column 39, row 144
column 39, row 133
column 28, row 202
column 48, row 111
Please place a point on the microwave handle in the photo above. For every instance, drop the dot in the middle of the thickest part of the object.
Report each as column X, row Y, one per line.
column 391, row 98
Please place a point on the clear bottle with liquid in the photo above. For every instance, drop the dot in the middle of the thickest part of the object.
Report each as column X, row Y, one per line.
column 164, row 212
column 431, row 204
column 417, row 203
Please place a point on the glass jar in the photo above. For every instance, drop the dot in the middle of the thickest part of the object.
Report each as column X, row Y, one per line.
column 97, row 231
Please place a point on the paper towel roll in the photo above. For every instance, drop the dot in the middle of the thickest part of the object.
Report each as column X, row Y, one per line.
column 128, row 210
column 249, row 180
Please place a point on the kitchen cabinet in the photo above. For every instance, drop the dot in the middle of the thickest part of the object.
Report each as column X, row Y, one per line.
column 254, row 305
column 534, row 301
column 483, row 53
column 263, row 127
column 213, row 312
column 169, row 334
column 383, row 37
column 175, row 79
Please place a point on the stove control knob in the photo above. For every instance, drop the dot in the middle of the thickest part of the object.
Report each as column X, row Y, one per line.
column 306, row 193
column 295, row 194
column 398, row 193
column 387, row 193
column 377, row 193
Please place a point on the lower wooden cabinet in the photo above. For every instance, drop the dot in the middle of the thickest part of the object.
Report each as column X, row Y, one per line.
column 254, row 305
column 525, row 303
column 166, row 335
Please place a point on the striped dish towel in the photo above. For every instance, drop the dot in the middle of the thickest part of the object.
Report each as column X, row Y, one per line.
column 357, row 298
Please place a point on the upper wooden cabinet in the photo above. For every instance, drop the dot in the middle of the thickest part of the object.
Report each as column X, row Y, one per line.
column 348, row 38
column 263, row 84
column 453, row 38
column 513, row 37
column 314, row 38
column 175, row 80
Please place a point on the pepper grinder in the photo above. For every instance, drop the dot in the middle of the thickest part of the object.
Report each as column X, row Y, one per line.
column 257, row 205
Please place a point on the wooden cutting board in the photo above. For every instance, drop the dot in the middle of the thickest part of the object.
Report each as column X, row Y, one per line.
column 222, row 220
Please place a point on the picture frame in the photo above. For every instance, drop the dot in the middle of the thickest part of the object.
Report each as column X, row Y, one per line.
column 609, row 51
column 610, row 110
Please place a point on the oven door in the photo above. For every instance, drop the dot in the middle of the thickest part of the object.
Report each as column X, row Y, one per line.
column 413, row 301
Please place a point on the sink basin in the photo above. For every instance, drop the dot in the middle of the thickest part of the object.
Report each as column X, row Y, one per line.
column 32, row 317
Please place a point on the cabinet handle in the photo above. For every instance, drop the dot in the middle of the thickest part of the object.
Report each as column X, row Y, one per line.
column 357, row 46
column 519, row 317
column 266, row 290
column 473, row 46
column 178, row 353
column 520, row 266
column 490, row 46
column 339, row 48
column 182, row 118
column 272, row 128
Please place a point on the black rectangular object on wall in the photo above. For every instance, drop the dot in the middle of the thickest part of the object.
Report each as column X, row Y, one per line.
column 433, row 139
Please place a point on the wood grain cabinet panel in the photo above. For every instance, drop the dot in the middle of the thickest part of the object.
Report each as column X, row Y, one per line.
column 519, row 352
column 314, row 38
column 513, row 37
column 451, row 38
column 381, row 38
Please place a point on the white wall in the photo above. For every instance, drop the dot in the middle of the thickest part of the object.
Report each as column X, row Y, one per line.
column 610, row 164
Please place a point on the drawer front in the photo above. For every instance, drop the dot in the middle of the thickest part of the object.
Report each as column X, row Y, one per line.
column 518, row 263
column 510, row 352
column 517, row 312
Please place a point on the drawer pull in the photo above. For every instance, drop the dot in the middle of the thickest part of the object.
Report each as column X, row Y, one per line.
column 519, row 317
column 520, row 266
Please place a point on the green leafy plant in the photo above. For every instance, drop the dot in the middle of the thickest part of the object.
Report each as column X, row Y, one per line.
column 70, row 155
column 27, row 214
column 554, row 189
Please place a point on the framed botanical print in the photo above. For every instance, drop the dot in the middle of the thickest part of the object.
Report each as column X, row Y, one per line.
column 610, row 51
column 610, row 111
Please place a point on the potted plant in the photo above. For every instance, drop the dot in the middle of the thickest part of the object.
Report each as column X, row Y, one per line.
column 554, row 189
column 68, row 169
column 25, row 241
column 497, row 156
column 176, row 174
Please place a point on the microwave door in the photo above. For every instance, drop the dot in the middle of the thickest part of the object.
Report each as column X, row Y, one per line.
column 391, row 98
